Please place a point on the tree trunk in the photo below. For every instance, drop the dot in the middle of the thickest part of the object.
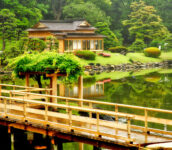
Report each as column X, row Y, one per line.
column 57, row 8
column 3, row 44
column 38, row 79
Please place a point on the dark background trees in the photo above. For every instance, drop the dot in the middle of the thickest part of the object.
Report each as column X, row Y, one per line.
column 111, row 12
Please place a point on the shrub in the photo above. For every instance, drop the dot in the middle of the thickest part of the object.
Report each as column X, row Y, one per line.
column 138, row 45
column 89, row 55
column 36, row 44
column 152, row 52
column 118, row 49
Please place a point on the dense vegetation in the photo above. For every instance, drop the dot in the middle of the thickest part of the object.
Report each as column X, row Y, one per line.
column 47, row 62
column 136, row 24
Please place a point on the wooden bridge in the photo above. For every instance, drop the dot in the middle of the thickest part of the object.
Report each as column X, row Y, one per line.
column 110, row 123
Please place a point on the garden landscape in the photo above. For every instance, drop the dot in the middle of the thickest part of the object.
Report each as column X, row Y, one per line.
column 85, row 74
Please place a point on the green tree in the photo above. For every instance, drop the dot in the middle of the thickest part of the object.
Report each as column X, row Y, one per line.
column 144, row 23
column 138, row 45
column 88, row 11
column 168, row 42
column 7, row 26
column 27, row 12
column 111, row 39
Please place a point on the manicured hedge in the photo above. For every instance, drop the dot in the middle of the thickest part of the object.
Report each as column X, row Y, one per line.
column 152, row 52
column 89, row 55
column 119, row 49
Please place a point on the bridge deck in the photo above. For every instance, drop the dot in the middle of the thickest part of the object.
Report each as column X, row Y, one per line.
column 66, row 117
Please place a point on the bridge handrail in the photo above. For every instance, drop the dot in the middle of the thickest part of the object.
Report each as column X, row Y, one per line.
column 97, row 120
column 26, row 87
column 110, row 113
column 95, row 102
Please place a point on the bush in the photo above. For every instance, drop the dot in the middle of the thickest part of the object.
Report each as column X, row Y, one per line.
column 89, row 55
column 152, row 52
column 119, row 49
column 138, row 45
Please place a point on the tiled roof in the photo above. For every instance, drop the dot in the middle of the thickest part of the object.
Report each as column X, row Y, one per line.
column 69, row 25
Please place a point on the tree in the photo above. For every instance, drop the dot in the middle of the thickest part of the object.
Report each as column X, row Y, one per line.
column 27, row 12
column 144, row 23
column 168, row 42
column 88, row 11
column 7, row 26
column 111, row 39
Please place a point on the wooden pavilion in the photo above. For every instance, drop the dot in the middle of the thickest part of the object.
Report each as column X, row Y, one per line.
column 72, row 34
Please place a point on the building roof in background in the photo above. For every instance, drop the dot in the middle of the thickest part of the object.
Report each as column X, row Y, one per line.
column 65, row 25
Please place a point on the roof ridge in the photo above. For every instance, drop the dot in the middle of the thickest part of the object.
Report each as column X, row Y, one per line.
column 61, row 21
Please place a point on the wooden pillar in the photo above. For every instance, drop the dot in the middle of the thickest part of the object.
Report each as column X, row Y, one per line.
column 0, row 90
column 27, row 79
column 54, row 87
column 80, row 89
column 81, row 146
column 61, row 90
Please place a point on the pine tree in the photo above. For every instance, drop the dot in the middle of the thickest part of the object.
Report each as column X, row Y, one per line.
column 144, row 23
column 7, row 26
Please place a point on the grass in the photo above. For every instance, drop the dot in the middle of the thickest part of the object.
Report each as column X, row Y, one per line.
column 117, row 58
column 142, row 58
column 166, row 56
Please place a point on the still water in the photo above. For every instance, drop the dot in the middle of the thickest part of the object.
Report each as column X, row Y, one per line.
column 148, row 88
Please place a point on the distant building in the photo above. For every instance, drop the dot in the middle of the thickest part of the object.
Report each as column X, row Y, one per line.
column 72, row 35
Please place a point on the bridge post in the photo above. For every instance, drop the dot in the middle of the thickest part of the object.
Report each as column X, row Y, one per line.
column 27, row 79
column 0, row 90
column 53, row 85
column 81, row 146
column 80, row 89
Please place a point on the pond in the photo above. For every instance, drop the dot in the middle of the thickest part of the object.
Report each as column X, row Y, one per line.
column 147, row 88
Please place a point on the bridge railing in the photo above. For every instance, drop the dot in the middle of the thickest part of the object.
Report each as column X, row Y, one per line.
column 4, row 88
column 65, row 118
column 145, row 114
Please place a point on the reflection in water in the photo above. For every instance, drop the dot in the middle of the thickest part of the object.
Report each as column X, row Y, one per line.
column 95, row 90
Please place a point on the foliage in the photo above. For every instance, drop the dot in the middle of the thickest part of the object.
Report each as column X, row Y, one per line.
column 144, row 23
column 138, row 45
column 28, row 12
column 118, row 49
column 88, row 81
column 111, row 39
column 89, row 55
column 7, row 26
column 168, row 40
column 48, row 62
column 152, row 52
column 52, row 43
column 155, row 43
column 36, row 44
column 88, row 11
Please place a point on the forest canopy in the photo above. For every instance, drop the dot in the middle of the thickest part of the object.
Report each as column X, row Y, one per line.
column 118, row 15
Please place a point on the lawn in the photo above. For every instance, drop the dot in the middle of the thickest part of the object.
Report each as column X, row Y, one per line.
column 117, row 58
